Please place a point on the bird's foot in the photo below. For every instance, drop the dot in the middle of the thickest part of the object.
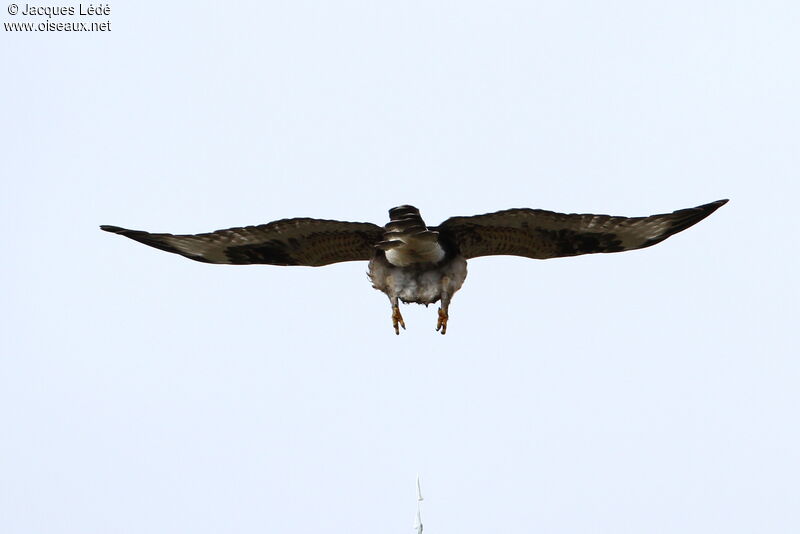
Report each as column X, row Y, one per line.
column 397, row 320
column 441, row 324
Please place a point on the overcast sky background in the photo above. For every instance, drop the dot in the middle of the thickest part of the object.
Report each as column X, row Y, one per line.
column 651, row 391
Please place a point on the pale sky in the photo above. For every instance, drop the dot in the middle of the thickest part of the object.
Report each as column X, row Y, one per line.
column 652, row 391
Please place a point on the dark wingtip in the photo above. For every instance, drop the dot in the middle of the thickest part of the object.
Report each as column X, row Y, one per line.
column 711, row 207
column 686, row 218
column 111, row 228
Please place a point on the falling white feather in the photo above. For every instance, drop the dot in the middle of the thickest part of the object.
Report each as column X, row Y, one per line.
column 418, row 518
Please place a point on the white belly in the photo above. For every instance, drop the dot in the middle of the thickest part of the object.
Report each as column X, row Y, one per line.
column 420, row 283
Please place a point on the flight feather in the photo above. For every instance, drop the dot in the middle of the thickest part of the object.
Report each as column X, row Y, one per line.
column 300, row 241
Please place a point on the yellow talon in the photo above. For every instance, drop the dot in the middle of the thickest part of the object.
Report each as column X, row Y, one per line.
column 397, row 319
column 441, row 324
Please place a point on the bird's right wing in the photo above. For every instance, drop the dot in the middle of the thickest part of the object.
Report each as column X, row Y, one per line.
column 302, row 241
column 544, row 234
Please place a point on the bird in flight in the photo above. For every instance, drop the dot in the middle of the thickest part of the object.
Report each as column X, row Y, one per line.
column 412, row 262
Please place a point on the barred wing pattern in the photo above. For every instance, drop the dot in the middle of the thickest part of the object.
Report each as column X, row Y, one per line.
column 544, row 234
column 300, row 241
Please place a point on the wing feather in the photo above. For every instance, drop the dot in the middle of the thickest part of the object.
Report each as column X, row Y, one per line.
column 544, row 234
column 300, row 241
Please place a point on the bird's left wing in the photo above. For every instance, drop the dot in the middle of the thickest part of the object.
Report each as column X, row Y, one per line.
column 544, row 234
column 301, row 241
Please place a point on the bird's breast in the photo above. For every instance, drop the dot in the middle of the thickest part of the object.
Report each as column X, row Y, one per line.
column 406, row 256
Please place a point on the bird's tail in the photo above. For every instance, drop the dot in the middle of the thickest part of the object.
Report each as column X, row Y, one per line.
column 407, row 240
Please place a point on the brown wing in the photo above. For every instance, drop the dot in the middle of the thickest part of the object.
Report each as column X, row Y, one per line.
column 545, row 234
column 311, row 242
